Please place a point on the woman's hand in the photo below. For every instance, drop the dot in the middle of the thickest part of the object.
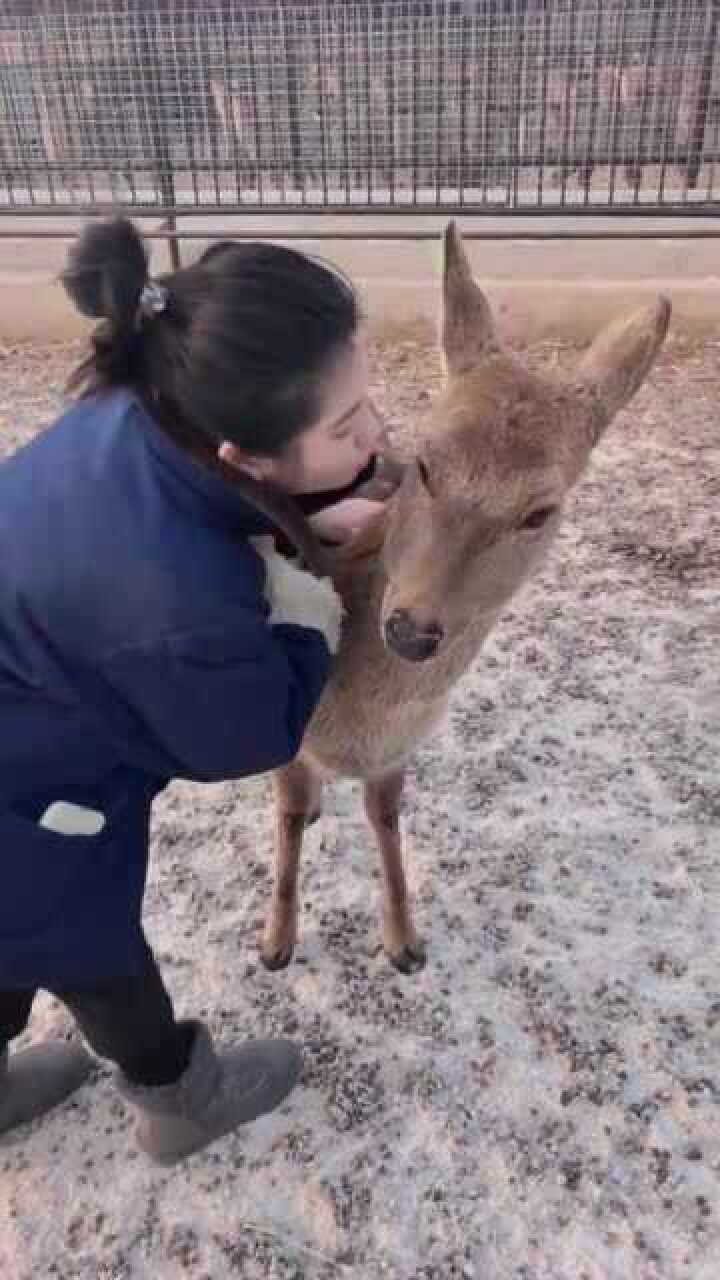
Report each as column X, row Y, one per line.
column 346, row 519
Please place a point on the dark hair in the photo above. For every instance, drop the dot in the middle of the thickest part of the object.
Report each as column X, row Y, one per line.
column 240, row 349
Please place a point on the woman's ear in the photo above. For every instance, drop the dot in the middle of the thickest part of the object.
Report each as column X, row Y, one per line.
column 257, row 467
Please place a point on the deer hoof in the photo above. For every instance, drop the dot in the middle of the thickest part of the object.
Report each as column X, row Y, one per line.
column 411, row 958
column 277, row 957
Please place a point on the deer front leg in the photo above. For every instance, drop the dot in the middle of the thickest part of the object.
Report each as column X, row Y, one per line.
column 400, row 939
column 297, row 803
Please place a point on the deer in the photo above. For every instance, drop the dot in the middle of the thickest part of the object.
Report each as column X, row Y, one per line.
column 475, row 512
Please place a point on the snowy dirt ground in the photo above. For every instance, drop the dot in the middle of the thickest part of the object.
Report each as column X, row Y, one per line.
column 542, row 1102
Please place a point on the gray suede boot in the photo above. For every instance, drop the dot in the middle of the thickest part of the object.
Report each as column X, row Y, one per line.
column 215, row 1094
column 34, row 1080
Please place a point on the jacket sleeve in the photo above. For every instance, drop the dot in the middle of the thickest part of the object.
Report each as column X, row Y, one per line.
column 223, row 702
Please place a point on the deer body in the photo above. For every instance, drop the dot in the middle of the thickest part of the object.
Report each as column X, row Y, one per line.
column 475, row 513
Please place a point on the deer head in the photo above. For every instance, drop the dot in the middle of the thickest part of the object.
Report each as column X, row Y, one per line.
column 482, row 501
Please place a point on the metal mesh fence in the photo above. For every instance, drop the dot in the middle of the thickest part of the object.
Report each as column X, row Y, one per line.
column 517, row 105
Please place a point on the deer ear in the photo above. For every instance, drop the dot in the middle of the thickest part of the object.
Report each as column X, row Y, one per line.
column 621, row 357
column 468, row 333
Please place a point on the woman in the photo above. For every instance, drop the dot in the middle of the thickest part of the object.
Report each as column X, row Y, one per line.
column 137, row 644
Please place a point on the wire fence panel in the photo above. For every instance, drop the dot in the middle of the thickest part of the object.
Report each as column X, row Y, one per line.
column 517, row 105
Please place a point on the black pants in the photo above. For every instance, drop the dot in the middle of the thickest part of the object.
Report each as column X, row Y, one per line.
column 129, row 1020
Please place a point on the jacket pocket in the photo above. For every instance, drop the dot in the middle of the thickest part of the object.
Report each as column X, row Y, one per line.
column 39, row 871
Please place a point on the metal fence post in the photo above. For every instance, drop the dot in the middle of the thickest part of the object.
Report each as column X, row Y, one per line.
column 703, row 98
column 151, row 66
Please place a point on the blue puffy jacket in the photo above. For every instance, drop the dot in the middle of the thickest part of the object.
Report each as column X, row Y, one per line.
column 134, row 649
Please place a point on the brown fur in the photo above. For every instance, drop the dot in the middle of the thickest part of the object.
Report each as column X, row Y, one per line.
column 504, row 444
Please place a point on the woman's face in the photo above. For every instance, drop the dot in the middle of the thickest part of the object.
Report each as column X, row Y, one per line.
column 339, row 445
column 335, row 448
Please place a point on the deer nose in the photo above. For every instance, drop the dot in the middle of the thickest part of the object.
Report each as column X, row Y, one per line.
column 405, row 638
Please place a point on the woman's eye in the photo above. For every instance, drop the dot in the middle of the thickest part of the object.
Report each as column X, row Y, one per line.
column 538, row 518
column 424, row 474
column 345, row 431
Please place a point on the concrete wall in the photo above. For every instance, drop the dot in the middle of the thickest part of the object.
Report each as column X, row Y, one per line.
column 540, row 289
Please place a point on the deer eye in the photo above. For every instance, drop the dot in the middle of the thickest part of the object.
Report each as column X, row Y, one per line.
column 538, row 518
column 424, row 474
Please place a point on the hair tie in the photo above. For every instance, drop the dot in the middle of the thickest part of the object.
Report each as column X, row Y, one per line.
column 153, row 299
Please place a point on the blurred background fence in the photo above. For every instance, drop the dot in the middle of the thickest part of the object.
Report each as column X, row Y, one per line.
column 518, row 106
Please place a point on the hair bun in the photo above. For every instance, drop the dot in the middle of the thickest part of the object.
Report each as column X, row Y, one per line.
column 106, row 270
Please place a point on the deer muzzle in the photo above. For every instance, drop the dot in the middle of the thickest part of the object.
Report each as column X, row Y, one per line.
column 408, row 640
